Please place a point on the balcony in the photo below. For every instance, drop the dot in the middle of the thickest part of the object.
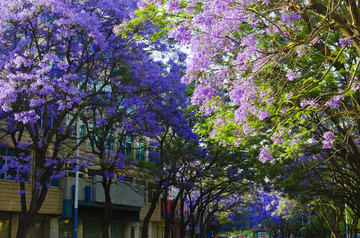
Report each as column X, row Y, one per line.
column 124, row 195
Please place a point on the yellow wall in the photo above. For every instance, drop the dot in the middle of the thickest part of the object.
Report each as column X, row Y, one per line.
column 10, row 198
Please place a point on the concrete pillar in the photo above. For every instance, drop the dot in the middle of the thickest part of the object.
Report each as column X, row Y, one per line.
column 14, row 225
column 150, row 226
column 136, row 226
column 54, row 227
column 131, row 230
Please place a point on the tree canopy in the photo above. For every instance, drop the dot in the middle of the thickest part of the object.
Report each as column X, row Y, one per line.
column 276, row 79
column 280, row 76
column 62, row 64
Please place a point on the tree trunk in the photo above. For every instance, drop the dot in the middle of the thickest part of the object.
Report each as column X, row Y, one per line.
column 25, row 220
column 145, row 227
column 183, row 226
column 27, row 216
column 23, row 226
column 201, row 223
column 105, row 225
column 193, row 226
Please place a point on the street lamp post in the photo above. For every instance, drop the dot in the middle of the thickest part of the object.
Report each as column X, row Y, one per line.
column 76, row 199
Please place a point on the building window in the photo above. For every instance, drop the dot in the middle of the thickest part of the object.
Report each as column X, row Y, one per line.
column 109, row 143
column 74, row 126
column 140, row 151
column 152, row 193
column 126, row 146
column 92, row 228
column 94, row 172
column 160, row 232
column 65, row 228
column 96, row 138
column 141, row 187
column 36, row 229
column 5, row 228
column 54, row 182
column 51, row 119
column 128, row 179
column 71, row 173
column 117, row 230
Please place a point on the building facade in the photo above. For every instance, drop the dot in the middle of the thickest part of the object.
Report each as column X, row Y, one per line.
column 130, row 204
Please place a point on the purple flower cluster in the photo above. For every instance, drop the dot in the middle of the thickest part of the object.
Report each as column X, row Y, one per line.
column 345, row 41
column 328, row 140
column 334, row 102
column 265, row 154
column 291, row 75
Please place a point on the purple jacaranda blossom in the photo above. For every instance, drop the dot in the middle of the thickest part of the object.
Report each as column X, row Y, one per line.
column 301, row 50
column 27, row 117
column 37, row 185
column 334, row 102
column 292, row 75
column 108, row 174
column 173, row 6
column 265, row 154
column 314, row 41
column 345, row 41
column 189, row 186
column 203, row 94
column 219, row 122
column 328, row 141
column 278, row 137
column 291, row 16
column 289, row 95
column 262, row 114
column 310, row 103
column 328, row 135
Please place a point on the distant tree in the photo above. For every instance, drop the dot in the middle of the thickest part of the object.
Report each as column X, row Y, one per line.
column 141, row 110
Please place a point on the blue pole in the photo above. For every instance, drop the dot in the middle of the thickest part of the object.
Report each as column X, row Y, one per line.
column 303, row 229
column 75, row 221
column 303, row 232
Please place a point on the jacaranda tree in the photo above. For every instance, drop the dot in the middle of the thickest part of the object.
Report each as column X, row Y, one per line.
column 60, row 62
column 141, row 110
column 283, row 71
